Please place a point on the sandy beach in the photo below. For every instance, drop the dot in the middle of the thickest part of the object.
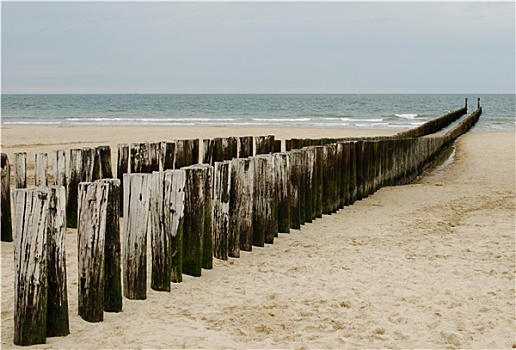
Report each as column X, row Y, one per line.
column 427, row 265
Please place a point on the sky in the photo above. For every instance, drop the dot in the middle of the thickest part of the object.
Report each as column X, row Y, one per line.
column 258, row 47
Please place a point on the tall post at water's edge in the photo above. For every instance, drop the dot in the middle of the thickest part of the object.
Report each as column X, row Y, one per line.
column 466, row 103
column 478, row 103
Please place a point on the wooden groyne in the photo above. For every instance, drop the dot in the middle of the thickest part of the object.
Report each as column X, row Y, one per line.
column 194, row 204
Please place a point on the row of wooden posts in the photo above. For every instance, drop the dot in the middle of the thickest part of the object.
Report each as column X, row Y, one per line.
column 193, row 212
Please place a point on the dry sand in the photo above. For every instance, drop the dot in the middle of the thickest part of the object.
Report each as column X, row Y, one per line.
column 427, row 265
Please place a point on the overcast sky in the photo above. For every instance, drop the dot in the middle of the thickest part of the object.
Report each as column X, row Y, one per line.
column 227, row 47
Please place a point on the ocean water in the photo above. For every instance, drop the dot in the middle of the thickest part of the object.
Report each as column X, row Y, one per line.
column 382, row 111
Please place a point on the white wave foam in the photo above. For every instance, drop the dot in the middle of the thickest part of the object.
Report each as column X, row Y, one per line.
column 361, row 120
column 406, row 116
column 272, row 120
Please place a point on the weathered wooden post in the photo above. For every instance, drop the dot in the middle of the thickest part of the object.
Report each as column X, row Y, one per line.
column 264, row 210
column 345, row 170
column 194, row 218
column 277, row 146
column 221, row 203
column 309, row 159
column 367, row 164
column 104, row 160
column 74, row 178
column 154, row 156
column 90, row 166
column 259, row 201
column 282, row 184
column 328, row 179
column 5, row 212
column 91, row 238
column 230, row 148
column 59, row 168
column 217, row 151
column 57, row 301
column 168, row 150
column 176, row 220
column 135, row 160
column 30, row 266
column 180, row 157
column 136, row 214
column 166, row 207
column 246, row 148
column 40, row 169
column 318, row 177
column 187, row 153
column 359, row 156
column 146, row 157
column 296, row 156
column 264, row 144
column 112, row 250
column 20, row 170
column 121, row 169
column 207, row 254
column 207, row 151
column 241, row 206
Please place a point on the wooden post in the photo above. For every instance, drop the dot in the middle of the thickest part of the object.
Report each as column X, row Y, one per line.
column 241, row 206
column 308, row 160
column 90, row 166
column 57, row 301
column 104, row 161
column 91, row 238
column 74, row 178
column 246, row 148
column 168, row 150
column 30, row 264
column 154, row 156
column 277, row 146
column 121, row 169
column 146, row 157
column 194, row 217
column 216, row 150
column 136, row 214
column 352, row 173
column 282, row 182
column 264, row 144
column 5, row 200
column 59, row 168
column 318, row 176
column 229, row 147
column 20, row 170
column 187, row 153
column 176, row 198
column 329, row 179
column 112, row 250
column 166, row 207
column 207, row 151
column 359, row 156
column 180, row 160
column 221, row 203
column 295, row 184
column 195, row 150
column 345, row 169
column 264, row 210
column 135, row 161
column 40, row 169
column 207, row 254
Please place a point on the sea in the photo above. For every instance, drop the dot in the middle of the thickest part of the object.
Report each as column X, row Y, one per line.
column 366, row 111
